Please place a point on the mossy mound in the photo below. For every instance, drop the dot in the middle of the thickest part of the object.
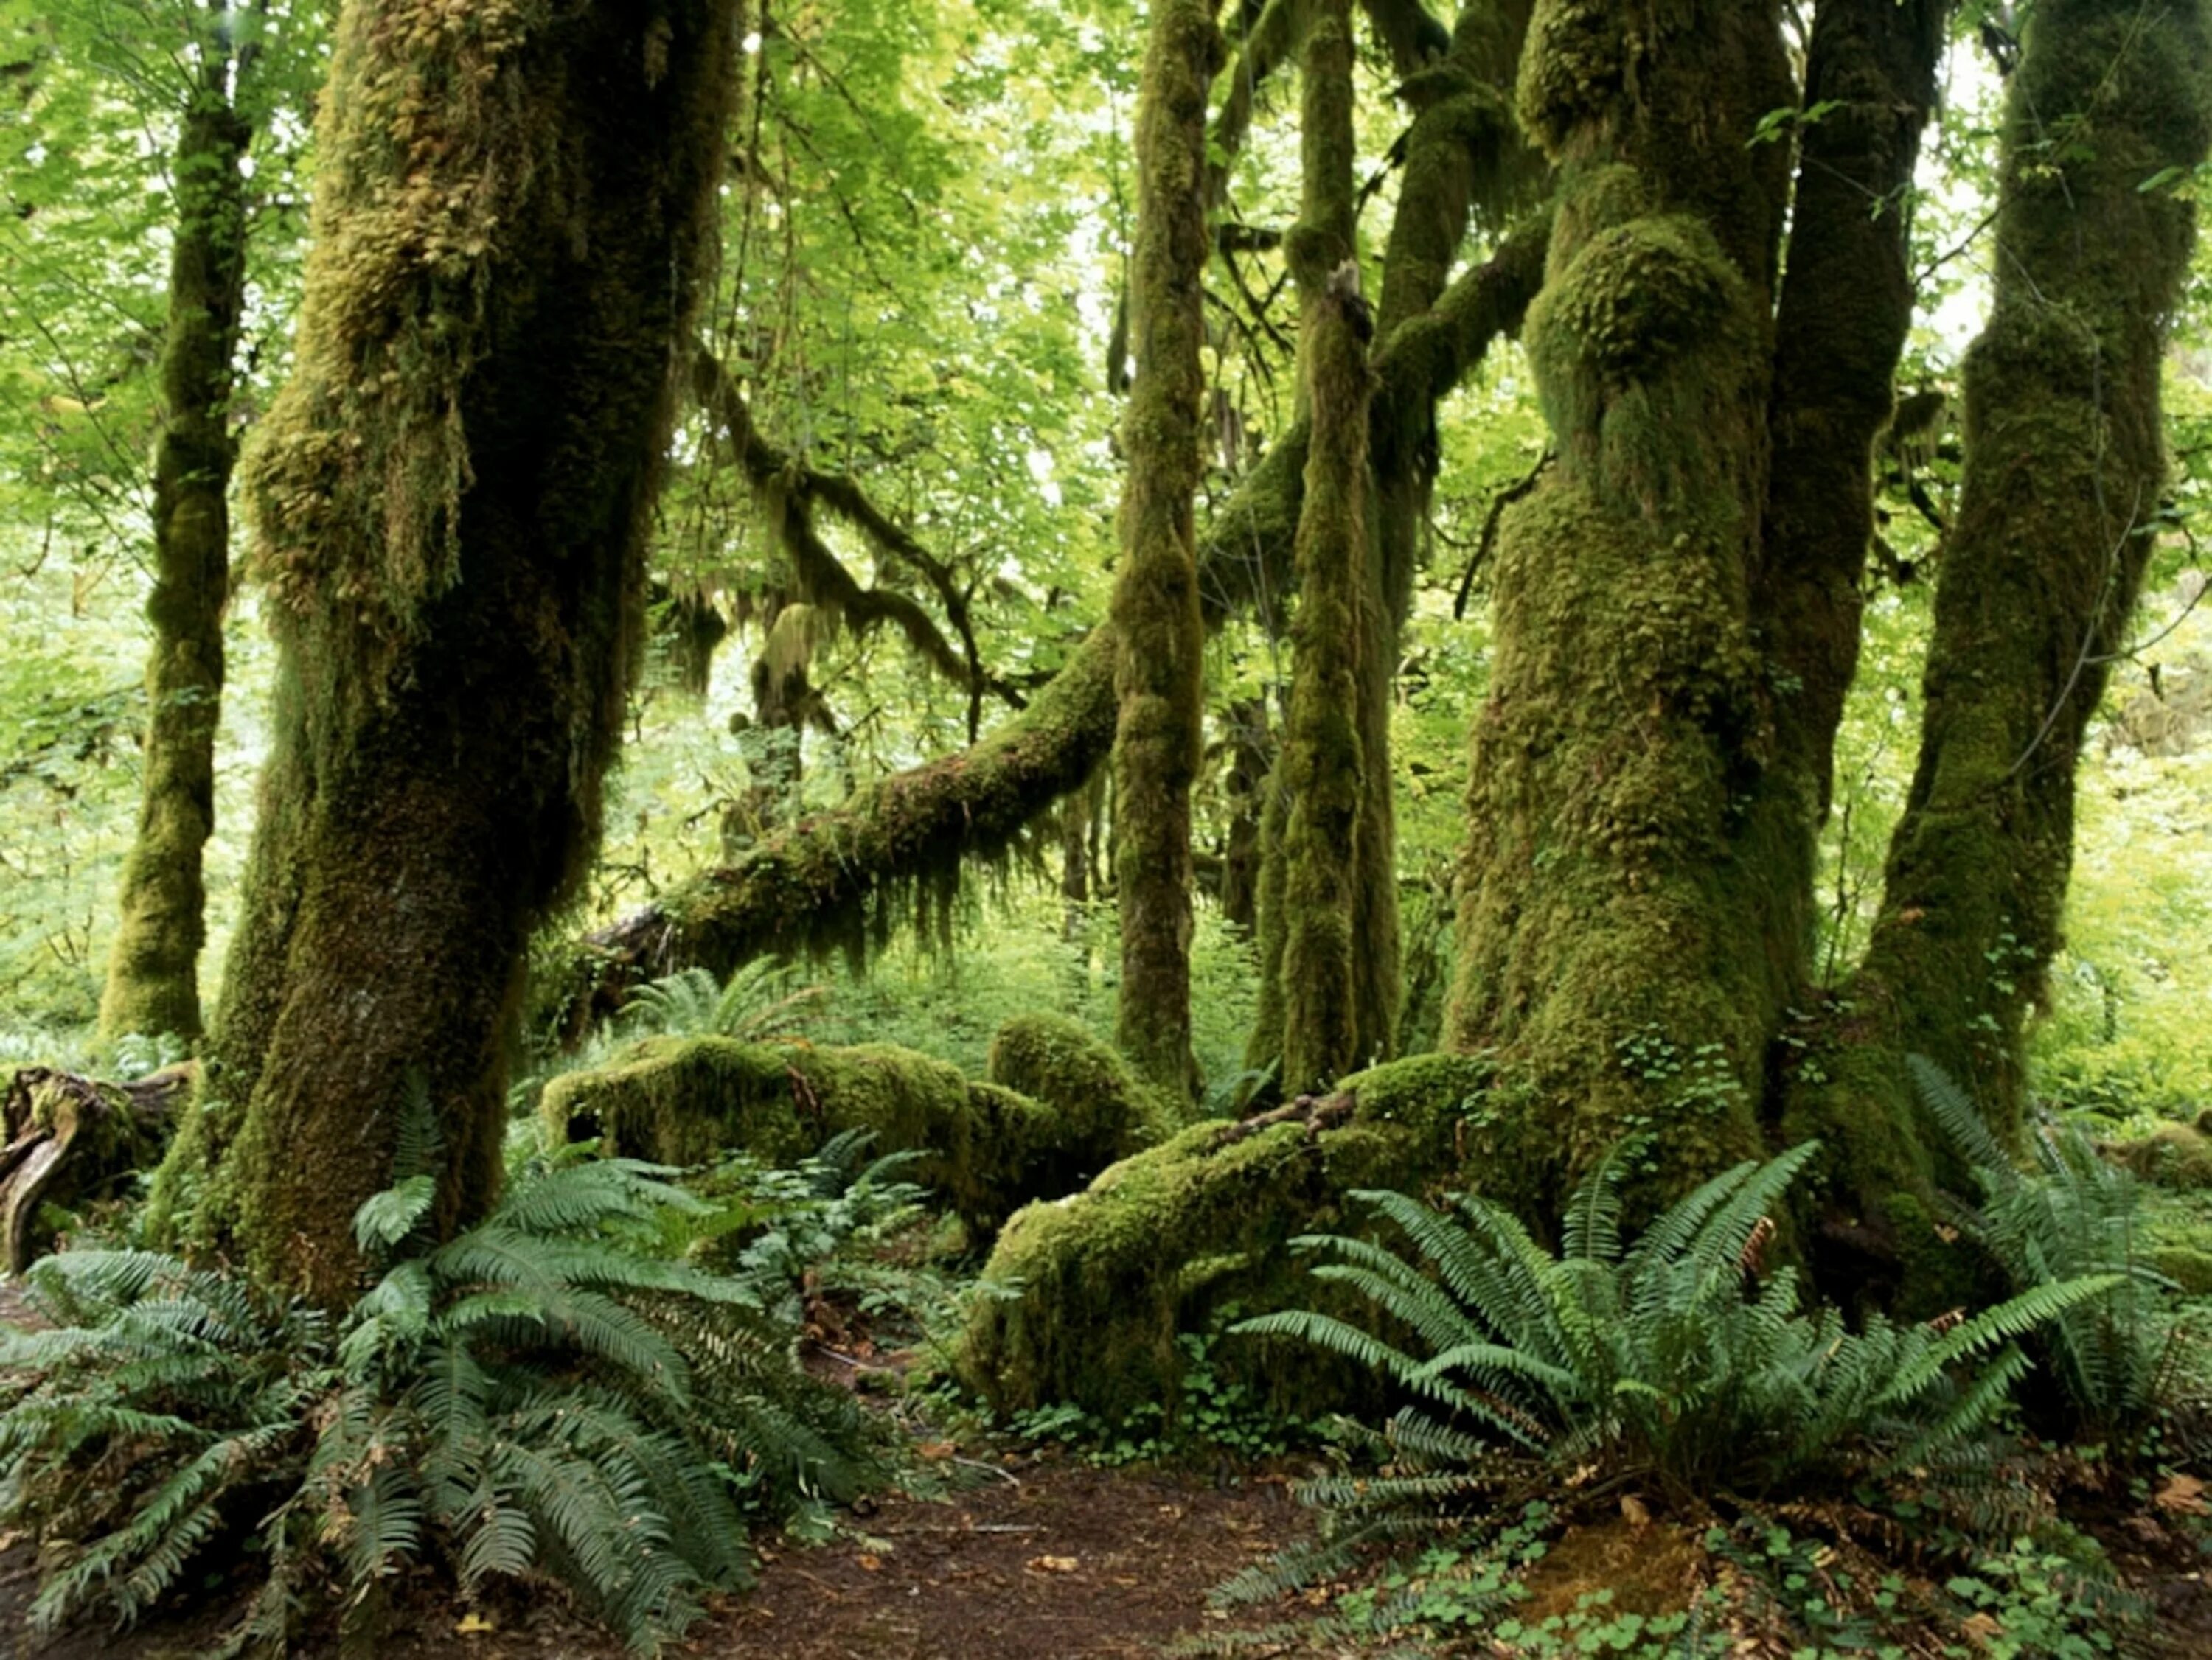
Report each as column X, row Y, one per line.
column 1101, row 1282
column 2174, row 1155
column 1109, row 1111
column 689, row 1100
column 2188, row 1266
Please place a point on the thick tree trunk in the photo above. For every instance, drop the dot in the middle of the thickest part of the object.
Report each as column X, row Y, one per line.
column 153, row 969
column 2065, row 472
column 1601, row 944
column 1160, row 637
column 451, row 499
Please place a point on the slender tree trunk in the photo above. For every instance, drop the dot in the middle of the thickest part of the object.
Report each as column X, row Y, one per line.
column 153, row 969
column 2059, row 508
column 1320, row 778
column 1600, row 930
column 1159, row 666
column 451, row 498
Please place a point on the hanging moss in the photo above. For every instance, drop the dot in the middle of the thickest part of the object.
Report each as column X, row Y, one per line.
column 687, row 1101
column 1161, row 1243
column 153, row 969
column 450, row 501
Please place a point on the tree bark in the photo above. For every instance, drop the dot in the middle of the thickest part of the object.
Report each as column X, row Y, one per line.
column 1160, row 637
column 153, row 968
column 451, row 500
column 1601, row 915
column 2059, row 508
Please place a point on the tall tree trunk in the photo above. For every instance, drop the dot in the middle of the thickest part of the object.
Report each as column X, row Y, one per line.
column 2059, row 508
column 451, row 499
column 1159, row 666
column 1600, row 920
column 1320, row 778
column 153, row 969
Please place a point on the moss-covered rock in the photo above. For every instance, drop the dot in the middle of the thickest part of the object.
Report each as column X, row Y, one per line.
column 1099, row 1283
column 2190, row 1267
column 2176, row 1155
column 1109, row 1111
column 689, row 1100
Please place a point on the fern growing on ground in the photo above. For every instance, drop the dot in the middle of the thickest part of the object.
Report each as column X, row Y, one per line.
column 2114, row 1356
column 542, row 1396
column 1676, row 1363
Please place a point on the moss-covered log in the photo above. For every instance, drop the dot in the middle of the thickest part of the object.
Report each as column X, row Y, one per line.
column 513, row 204
column 1165, row 1241
column 153, row 969
column 2065, row 470
column 834, row 878
column 992, row 1146
column 1159, row 678
column 65, row 1140
column 1603, row 952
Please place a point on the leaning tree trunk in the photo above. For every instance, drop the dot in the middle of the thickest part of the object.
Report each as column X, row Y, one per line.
column 1159, row 670
column 451, row 499
column 153, row 968
column 1601, row 931
column 2059, row 509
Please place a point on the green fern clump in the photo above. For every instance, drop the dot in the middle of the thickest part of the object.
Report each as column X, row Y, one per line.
column 755, row 1004
column 544, row 1397
column 2114, row 1356
column 1672, row 1360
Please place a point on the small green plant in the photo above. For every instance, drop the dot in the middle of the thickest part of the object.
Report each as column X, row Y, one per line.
column 757, row 1003
column 546, row 1396
column 2114, row 1356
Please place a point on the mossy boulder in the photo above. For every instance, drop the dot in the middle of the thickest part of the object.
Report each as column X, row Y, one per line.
column 689, row 1100
column 2174, row 1155
column 2188, row 1266
column 1099, row 1284
column 1109, row 1111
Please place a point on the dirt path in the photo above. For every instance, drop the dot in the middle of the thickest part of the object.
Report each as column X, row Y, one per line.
column 1052, row 1560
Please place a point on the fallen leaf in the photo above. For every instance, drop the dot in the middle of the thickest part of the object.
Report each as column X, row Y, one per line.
column 2183, row 1494
column 1981, row 1627
column 1053, row 1564
column 938, row 1451
column 871, row 1564
column 1634, row 1511
column 475, row 1624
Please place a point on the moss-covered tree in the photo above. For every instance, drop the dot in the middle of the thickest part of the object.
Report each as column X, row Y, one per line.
column 1159, row 671
column 153, row 970
column 513, row 209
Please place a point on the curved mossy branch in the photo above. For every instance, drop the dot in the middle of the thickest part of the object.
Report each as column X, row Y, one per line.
column 451, row 501
column 836, row 878
column 2059, row 508
column 153, row 969
column 788, row 493
column 1265, row 47
column 1159, row 678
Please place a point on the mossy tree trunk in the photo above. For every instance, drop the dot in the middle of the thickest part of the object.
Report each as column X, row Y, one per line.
column 514, row 205
column 1601, row 949
column 1159, row 668
column 153, row 968
column 2060, row 504
column 1321, row 779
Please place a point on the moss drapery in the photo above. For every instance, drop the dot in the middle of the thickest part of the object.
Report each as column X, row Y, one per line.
column 514, row 205
column 153, row 969
column 1159, row 635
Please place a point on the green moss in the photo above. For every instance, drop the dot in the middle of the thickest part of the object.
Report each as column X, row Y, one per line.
column 1165, row 1240
column 1109, row 1111
column 686, row 1102
column 2174, row 1155
column 2188, row 1266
